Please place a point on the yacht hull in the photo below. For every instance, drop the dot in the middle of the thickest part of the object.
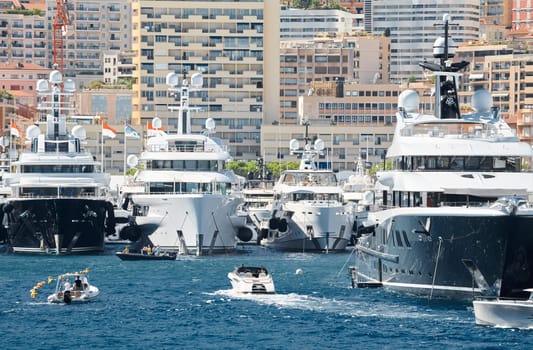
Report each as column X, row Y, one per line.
column 423, row 254
column 60, row 225
column 310, row 228
column 504, row 313
column 190, row 224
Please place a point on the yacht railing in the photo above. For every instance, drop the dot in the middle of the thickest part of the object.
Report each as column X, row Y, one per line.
column 457, row 131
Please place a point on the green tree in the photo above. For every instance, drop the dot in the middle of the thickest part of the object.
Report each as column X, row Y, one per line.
column 242, row 168
column 275, row 168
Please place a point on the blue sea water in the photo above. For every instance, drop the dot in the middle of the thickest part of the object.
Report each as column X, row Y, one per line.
column 189, row 304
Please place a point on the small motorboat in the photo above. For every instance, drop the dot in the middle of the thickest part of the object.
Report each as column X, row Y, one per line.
column 508, row 313
column 146, row 256
column 80, row 291
column 251, row 279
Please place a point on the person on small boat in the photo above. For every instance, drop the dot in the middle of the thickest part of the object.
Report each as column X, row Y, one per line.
column 143, row 250
column 126, row 250
column 149, row 249
column 77, row 284
column 157, row 249
column 67, row 285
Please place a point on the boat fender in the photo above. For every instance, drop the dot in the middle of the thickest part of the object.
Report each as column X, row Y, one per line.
column 67, row 297
column 273, row 223
column 282, row 226
column 110, row 219
column 245, row 234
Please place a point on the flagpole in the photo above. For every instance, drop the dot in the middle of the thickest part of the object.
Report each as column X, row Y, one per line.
column 125, row 150
column 102, row 150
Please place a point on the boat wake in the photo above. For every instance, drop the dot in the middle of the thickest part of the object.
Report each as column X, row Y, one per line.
column 335, row 306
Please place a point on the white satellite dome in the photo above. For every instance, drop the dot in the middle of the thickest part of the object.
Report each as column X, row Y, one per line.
column 409, row 101
column 156, row 123
column 294, row 145
column 438, row 48
column 197, row 80
column 482, row 101
column 132, row 161
column 56, row 77
column 79, row 132
column 32, row 132
column 210, row 124
column 172, row 79
column 319, row 144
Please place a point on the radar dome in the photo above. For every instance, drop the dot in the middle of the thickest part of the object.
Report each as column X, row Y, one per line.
column 319, row 144
column 210, row 124
column 56, row 77
column 408, row 100
column 172, row 79
column 69, row 86
column 197, row 80
column 32, row 132
column 42, row 85
column 294, row 145
column 156, row 123
column 79, row 132
column 481, row 101
column 132, row 160
column 438, row 48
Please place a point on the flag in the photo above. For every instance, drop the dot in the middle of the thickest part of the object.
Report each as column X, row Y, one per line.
column 108, row 131
column 15, row 131
column 154, row 131
column 131, row 132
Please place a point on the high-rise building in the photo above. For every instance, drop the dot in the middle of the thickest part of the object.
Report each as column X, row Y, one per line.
column 348, row 58
column 24, row 39
column 234, row 44
column 306, row 24
column 96, row 27
column 411, row 26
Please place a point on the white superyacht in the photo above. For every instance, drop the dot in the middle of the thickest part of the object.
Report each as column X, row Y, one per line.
column 308, row 213
column 458, row 190
column 190, row 201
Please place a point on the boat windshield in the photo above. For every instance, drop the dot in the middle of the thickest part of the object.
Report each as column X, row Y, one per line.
column 309, row 179
column 188, row 187
column 58, row 168
column 57, row 191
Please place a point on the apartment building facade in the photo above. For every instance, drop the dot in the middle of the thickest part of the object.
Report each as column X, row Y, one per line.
column 411, row 25
column 346, row 58
column 234, row 45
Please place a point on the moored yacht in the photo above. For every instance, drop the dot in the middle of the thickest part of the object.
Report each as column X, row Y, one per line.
column 59, row 201
column 307, row 212
column 189, row 203
column 459, row 189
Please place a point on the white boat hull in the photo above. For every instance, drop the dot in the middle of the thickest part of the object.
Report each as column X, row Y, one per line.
column 312, row 226
column 504, row 313
column 190, row 223
column 77, row 297
column 252, row 285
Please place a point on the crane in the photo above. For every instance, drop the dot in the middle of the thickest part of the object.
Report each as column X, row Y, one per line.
column 61, row 20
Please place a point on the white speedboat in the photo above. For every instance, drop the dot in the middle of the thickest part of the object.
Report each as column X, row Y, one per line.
column 308, row 213
column 446, row 169
column 507, row 313
column 251, row 279
column 60, row 199
column 189, row 203
column 79, row 290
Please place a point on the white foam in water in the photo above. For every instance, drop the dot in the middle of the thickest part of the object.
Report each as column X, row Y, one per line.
column 341, row 307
